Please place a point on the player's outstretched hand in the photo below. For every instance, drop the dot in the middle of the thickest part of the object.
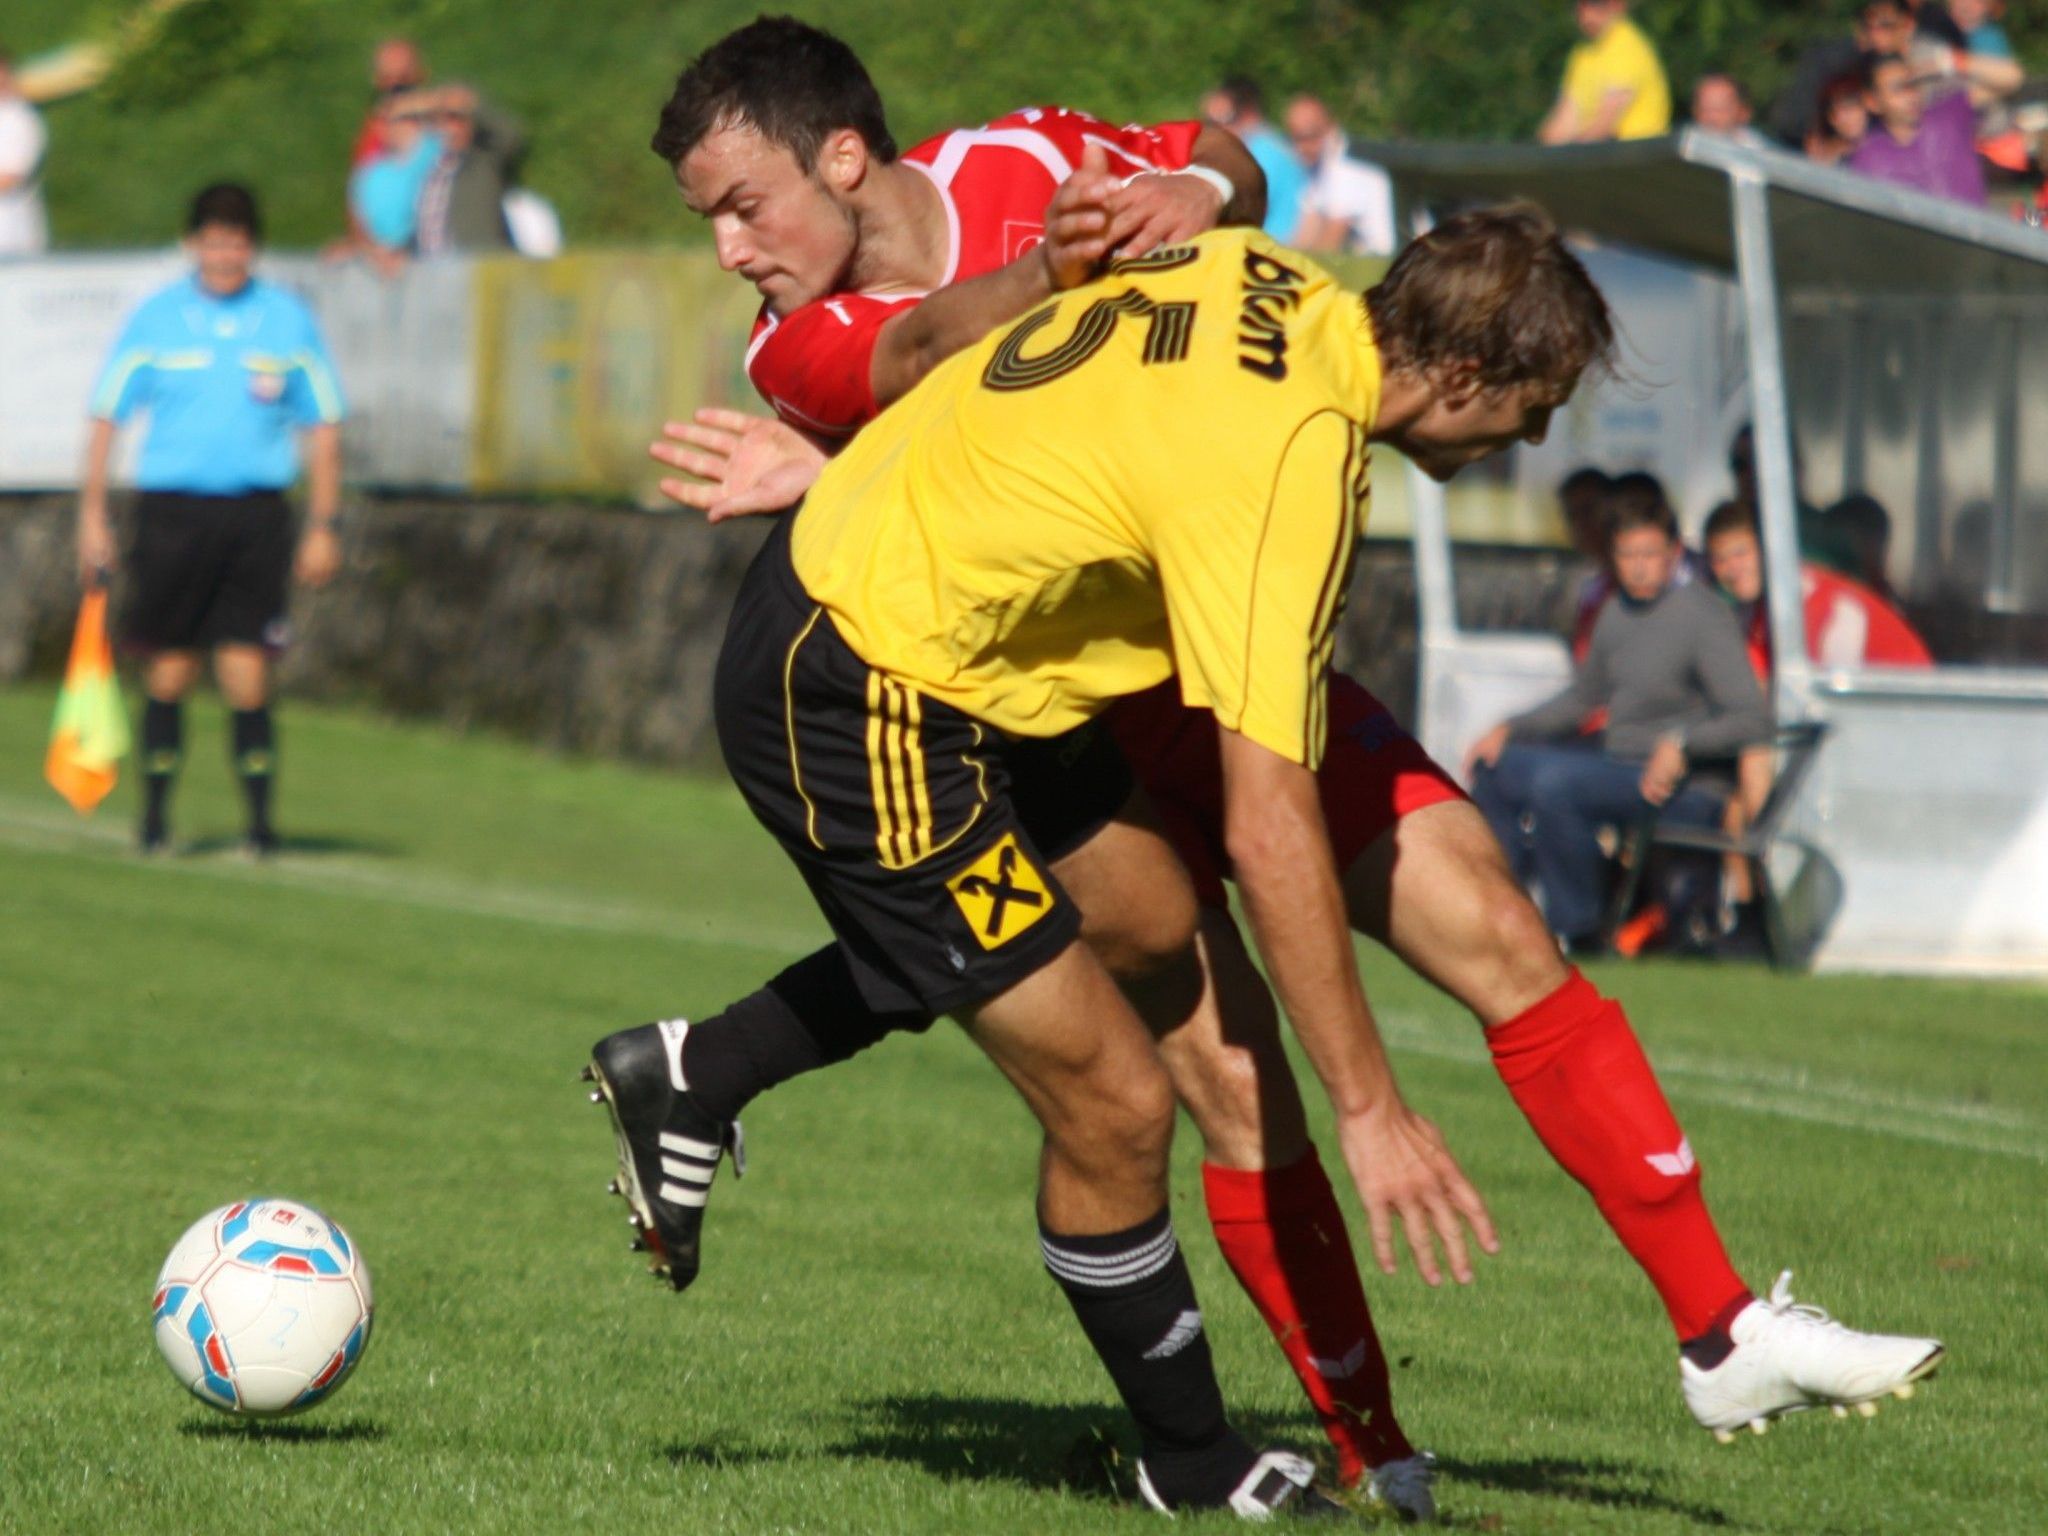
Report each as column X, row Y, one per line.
column 1162, row 209
column 1405, row 1172
column 1077, row 222
column 747, row 463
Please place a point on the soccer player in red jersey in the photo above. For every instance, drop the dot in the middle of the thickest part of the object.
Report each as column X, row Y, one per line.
column 868, row 283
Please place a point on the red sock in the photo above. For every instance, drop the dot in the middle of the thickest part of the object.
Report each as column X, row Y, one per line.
column 1575, row 1068
column 1284, row 1238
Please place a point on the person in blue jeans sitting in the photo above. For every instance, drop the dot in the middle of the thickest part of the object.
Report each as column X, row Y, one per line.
column 1670, row 684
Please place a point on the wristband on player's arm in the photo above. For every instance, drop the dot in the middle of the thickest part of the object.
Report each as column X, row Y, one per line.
column 1222, row 184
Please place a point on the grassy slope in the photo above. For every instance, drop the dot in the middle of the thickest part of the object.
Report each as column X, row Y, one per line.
column 388, row 1023
column 272, row 90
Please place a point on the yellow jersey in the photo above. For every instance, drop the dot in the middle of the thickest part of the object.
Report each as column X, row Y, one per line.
column 1163, row 471
column 1620, row 59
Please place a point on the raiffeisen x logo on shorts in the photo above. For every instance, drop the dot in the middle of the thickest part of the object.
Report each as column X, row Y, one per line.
column 1000, row 894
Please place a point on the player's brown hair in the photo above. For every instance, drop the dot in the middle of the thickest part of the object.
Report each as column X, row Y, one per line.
column 790, row 82
column 1495, row 288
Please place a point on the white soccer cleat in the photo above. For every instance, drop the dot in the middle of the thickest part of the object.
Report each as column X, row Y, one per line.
column 1407, row 1487
column 1789, row 1357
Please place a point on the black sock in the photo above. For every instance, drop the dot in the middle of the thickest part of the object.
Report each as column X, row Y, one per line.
column 163, row 745
column 255, row 760
column 1709, row 1349
column 1136, row 1302
column 808, row 1017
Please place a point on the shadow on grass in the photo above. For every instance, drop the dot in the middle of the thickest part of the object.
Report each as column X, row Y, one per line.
column 1611, row 1484
column 1071, row 1448
column 717, row 1455
column 283, row 1431
column 300, row 844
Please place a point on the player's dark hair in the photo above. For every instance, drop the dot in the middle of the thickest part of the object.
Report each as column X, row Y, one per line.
column 1243, row 93
column 788, row 81
column 228, row 204
column 1494, row 288
column 1731, row 517
column 1894, row 7
column 1638, row 501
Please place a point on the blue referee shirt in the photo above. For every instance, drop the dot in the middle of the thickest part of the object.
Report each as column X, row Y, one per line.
column 227, row 383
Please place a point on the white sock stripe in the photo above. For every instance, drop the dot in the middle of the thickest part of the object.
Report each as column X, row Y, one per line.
column 1108, row 1271
column 1092, row 1280
column 690, row 1173
column 1164, row 1242
column 676, row 1194
column 703, row 1151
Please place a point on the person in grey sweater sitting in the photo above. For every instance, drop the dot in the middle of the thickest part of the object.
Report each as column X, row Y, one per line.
column 1670, row 685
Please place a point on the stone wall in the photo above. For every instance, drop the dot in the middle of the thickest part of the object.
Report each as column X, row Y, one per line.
column 593, row 629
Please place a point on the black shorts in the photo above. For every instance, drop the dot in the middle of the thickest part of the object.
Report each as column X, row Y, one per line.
column 926, row 837
column 206, row 571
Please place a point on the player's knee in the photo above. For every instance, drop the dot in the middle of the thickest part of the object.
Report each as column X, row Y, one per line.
column 1153, row 942
column 1128, row 1125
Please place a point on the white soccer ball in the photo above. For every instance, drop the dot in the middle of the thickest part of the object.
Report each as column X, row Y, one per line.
column 263, row 1308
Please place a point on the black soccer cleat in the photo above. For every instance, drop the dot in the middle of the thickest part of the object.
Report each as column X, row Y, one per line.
column 1278, row 1486
column 668, row 1147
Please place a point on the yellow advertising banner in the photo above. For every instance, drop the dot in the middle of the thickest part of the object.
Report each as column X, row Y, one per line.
column 579, row 361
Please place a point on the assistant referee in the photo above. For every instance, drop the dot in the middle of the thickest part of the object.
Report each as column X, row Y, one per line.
column 230, row 371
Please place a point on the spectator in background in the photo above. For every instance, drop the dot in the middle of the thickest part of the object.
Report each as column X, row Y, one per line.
column 1931, row 147
column 23, row 228
column 231, row 371
column 1668, row 667
column 384, row 191
column 1842, row 123
column 1614, row 85
column 1586, row 498
column 462, row 205
column 1239, row 105
column 1882, row 26
column 396, row 66
column 1720, row 104
column 1861, row 530
column 1980, row 22
column 1983, row 62
column 1349, row 205
column 1847, row 623
column 1640, row 494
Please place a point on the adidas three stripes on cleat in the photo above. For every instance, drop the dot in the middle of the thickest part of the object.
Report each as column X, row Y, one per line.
column 669, row 1149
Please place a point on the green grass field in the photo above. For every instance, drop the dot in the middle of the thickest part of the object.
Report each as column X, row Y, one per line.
column 388, row 1022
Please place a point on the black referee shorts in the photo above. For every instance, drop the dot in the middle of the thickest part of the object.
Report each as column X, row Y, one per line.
column 925, row 836
column 206, row 571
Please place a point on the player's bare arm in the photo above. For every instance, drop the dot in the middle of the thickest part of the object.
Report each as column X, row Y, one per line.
column 1288, row 880
column 97, row 552
column 1077, row 226
column 1158, row 208
column 744, row 463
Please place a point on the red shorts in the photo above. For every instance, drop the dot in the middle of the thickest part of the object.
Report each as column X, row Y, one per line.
column 1373, row 774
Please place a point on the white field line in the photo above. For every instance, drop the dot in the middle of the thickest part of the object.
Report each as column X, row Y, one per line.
column 1787, row 1093
column 37, row 830
column 1756, row 1087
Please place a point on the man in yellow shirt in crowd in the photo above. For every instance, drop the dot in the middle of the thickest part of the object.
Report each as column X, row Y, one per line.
column 1614, row 86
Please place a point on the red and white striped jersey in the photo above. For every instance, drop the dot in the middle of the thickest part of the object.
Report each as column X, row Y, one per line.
column 812, row 366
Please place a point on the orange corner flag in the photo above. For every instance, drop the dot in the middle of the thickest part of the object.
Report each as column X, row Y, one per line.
column 90, row 734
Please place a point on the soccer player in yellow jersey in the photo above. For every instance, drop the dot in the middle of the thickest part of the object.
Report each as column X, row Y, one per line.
column 1161, row 473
